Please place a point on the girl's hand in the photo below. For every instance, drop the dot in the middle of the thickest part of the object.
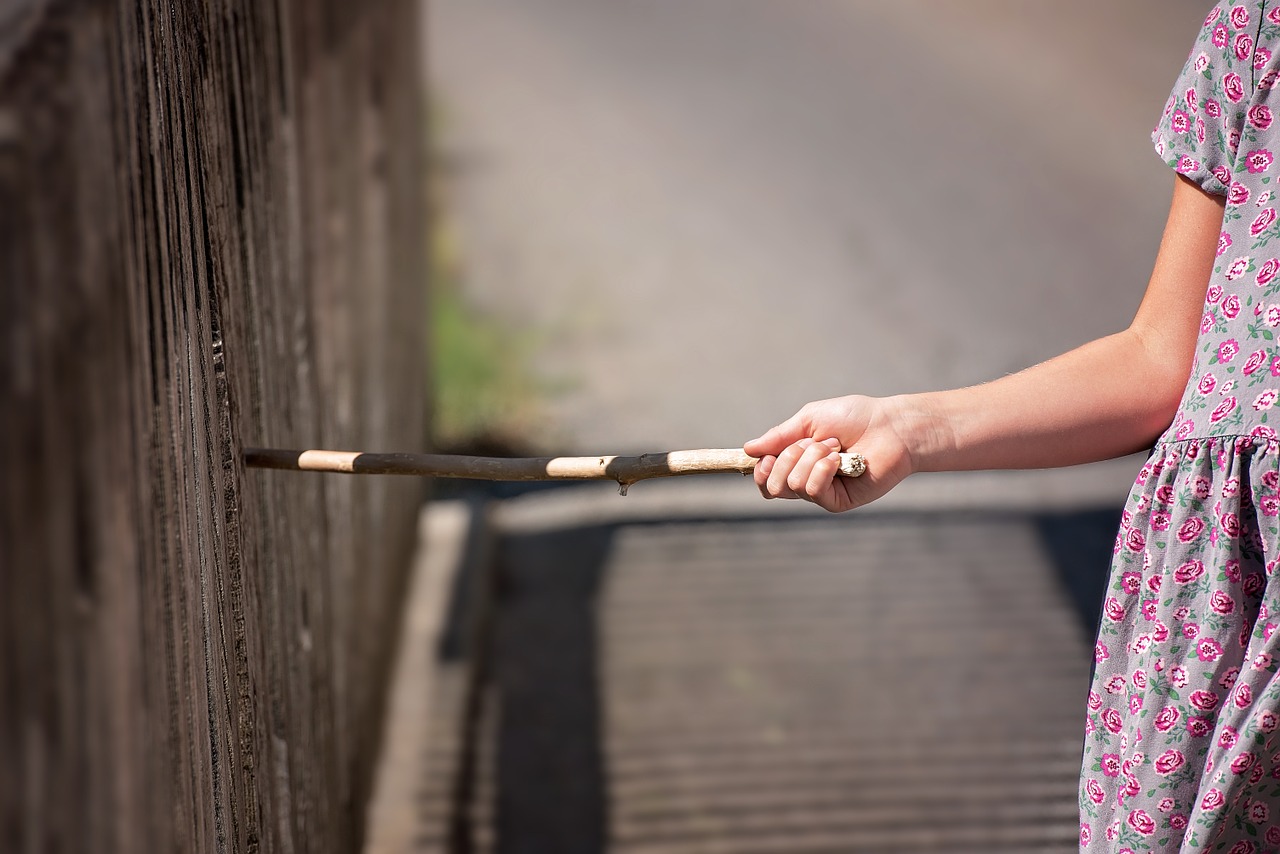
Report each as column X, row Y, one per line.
column 799, row 459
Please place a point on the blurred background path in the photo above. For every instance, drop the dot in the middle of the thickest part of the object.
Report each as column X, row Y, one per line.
column 712, row 212
column 705, row 214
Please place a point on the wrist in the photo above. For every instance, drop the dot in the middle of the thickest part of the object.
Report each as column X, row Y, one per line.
column 924, row 430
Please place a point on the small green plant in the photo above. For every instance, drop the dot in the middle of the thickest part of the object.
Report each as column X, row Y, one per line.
column 485, row 392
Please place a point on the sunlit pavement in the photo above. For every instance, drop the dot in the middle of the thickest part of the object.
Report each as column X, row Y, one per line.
column 710, row 212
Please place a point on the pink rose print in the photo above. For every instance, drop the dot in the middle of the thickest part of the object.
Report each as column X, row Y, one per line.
column 1192, row 569
column 1267, row 274
column 1244, row 846
column 1205, row 701
column 1271, row 316
column 1177, row 821
column 1259, row 812
column 1221, row 602
column 1140, row 821
column 1228, row 349
column 1094, row 790
column 1212, row 108
column 1229, row 677
column 1110, row 764
column 1115, row 611
column 1169, row 761
column 1150, row 607
column 1208, row 649
column 1266, row 400
column 1178, row 676
column 1273, row 16
column 1207, row 322
column 1273, row 835
column 1228, row 738
column 1233, row 86
column 1231, row 306
column 1224, row 243
column 1086, row 835
column 1238, row 268
column 1167, row 719
column 1237, row 194
column 1269, row 505
column 1212, row 800
column 1222, row 410
column 1239, row 17
column 1160, row 633
column 1131, row 582
column 1258, row 161
column 1111, row 720
column 1230, row 524
column 1139, row 679
column 1165, row 805
column 1261, row 661
column 1135, row 704
column 1202, row 487
column 1268, row 721
column 1220, row 35
column 1180, row 122
column 1262, row 222
column 1199, row 727
column 1207, row 384
column 1100, row 652
column 1256, row 360
column 1186, row 428
column 1190, row 630
column 1136, row 540
column 1095, row 700
column 1260, row 116
column 1261, row 56
column 1233, row 140
column 1244, row 47
column 1242, row 763
column 1188, row 165
column 1116, row 685
column 1242, row 696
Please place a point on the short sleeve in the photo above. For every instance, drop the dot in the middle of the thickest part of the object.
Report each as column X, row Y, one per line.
column 1198, row 134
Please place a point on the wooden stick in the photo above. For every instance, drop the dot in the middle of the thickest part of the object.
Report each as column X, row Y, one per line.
column 624, row 470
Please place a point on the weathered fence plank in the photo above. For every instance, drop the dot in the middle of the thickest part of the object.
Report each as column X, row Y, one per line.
column 211, row 236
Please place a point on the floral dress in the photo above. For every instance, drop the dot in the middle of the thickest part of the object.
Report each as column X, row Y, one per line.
column 1182, row 744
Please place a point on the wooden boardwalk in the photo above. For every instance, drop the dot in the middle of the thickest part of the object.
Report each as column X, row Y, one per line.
column 885, row 683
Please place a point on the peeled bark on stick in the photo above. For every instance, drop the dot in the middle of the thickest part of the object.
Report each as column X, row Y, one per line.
column 625, row 470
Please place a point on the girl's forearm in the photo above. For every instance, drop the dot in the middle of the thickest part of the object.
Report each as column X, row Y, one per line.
column 1111, row 397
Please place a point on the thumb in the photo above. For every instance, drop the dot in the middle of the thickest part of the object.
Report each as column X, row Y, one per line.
column 772, row 442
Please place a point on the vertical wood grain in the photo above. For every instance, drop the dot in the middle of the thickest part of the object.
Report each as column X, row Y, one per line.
column 211, row 236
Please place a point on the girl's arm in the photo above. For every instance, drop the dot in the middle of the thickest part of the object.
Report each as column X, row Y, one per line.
column 1108, row 398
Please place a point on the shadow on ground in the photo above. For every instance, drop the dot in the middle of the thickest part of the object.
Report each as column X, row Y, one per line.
column 526, row 617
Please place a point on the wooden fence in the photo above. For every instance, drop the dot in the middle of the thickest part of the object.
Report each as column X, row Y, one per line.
column 211, row 237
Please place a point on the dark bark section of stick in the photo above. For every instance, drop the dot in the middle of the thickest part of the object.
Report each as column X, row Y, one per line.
column 211, row 229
